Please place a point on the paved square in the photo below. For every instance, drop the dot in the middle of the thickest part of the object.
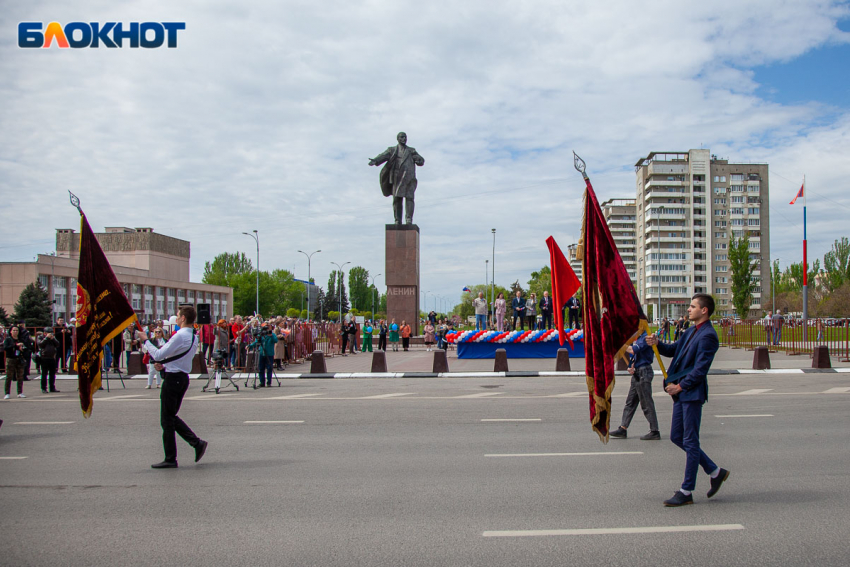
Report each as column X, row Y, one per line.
column 405, row 472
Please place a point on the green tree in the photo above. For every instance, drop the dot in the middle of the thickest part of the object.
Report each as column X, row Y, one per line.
column 224, row 267
column 515, row 287
column 836, row 263
column 333, row 316
column 358, row 287
column 319, row 305
column 34, row 306
column 540, row 281
column 4, row 318
column 742, row 275
column 292, row 312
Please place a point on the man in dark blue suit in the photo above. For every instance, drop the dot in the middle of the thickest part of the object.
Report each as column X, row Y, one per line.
column 518, row 306
column 687, row 383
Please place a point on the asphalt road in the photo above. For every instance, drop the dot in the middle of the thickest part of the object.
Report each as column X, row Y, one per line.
column 417, row 478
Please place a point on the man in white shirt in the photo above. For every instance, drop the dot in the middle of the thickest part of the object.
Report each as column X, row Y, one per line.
column 480, row 305
column 175, row 358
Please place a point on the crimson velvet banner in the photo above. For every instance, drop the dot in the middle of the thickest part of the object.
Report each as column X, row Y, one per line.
column 102, row 313
column 612, row 312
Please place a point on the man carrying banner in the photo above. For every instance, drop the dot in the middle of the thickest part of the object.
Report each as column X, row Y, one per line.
column 176, row 359
column 687, row 383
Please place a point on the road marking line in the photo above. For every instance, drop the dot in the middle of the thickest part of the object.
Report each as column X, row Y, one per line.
column 566, row 454
column 612, row 531
column 480, row 395
column 748, row 415
column 43, row 422
column 119, row 397
column 12, row 458
column 568, row 395
column 386, row 396
column 207, row 395
column 518, row 419
column 269, row 422
column 295, row 396
column 837, row 391
column 753, row 392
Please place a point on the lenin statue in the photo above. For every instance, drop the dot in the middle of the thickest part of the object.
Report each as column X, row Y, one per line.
column 398, row 176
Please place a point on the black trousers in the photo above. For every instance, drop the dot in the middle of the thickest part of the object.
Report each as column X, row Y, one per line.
column 382, row 342
column 574, row 319
column 48, row 368
column 547, row 320
column 174, row 387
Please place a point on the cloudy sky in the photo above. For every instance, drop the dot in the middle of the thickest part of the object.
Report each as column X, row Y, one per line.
column 266, row 114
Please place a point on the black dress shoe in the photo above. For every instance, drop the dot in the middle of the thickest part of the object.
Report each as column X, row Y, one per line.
column 54, row 391
column 716, row 482
column 165, row 465
column 200, row 449
column 679, row 499
column 620, row 433
column 651, row 436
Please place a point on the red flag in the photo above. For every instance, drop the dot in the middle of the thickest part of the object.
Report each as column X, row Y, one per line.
column 612, row 312
column 102, row 312
column 564, row 284
column 798, row 195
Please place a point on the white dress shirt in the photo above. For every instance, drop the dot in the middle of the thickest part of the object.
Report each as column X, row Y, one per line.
column 180, row 341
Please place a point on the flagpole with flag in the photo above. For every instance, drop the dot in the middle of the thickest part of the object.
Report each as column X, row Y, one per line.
column 613, row 316
column 802, row 193
column 102, row 311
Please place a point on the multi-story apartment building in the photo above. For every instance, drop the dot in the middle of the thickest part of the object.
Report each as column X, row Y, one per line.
column 620, row 214
column 575, row 263
column 153, row 270
column 689, row 205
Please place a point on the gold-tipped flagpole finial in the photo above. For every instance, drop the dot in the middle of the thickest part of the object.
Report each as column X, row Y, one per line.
column 580, row 165
column 76, row 202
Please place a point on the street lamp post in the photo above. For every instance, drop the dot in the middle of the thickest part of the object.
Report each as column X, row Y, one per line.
column 493, row 280
column 341, row 275
column 373, row 294
column 256, row 236
column 309, row 279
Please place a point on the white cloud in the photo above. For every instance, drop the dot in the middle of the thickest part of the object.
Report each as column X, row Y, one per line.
column 266, row 114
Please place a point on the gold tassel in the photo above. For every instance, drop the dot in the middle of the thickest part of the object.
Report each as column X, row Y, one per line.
column 580, row 249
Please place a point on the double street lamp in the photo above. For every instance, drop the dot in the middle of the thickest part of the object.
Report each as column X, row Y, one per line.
column 256, row 237
column 309, row 279
column 341, row 275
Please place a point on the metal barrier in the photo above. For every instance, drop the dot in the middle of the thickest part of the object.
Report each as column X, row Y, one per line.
column 793, row 338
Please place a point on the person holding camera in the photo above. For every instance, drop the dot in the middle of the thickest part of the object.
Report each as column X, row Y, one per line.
column 264, row 348
column 63, row 335
column 48, row 350
column 175, row 358
column 16, row 347
column 158, row 341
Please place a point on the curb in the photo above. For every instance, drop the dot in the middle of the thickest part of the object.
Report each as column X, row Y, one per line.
column 509, row 374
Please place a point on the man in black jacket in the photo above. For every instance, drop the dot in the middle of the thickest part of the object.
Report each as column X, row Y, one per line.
column 63, row 335
column 518, row 309
column 546, row 309
column 48, row 349
column 574, row 305
column 16, row 348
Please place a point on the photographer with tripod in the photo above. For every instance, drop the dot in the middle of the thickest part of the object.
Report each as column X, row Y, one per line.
column 263, row 346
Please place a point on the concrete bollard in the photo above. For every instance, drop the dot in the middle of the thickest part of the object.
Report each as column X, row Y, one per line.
column 820, row 357
column 501, row 364
column 622, row 364
column 379, row 361
column 317, row 363
column 761, row 358
column 441, row 361
column 134, row 364
column 199, row 365
column 563, row 363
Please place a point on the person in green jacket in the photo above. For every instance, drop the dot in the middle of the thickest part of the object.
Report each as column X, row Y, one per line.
column 394, row 334
column 264, row 345
column 367, row 336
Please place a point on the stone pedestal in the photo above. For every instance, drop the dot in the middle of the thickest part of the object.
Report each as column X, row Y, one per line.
column 820, row 357
column 402, row 274
column 761, row 358
column 501, row 362
column 563, row 362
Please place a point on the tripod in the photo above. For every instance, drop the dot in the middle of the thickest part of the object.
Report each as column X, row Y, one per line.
column 218, row 373
column 255, row 370
column 105, row 374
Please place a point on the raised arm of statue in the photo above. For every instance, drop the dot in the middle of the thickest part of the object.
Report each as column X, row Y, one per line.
column 417, row 159
column 382, row 157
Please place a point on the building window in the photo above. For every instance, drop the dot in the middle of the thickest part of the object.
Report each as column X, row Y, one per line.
column 171, row 293
column 148, row 290
column 720, row 246
column 736, row 199
column 755, row 245
column 44, row 281
column 191, row 296
column 753, row 211
column 721, row 268
column 136, row 303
